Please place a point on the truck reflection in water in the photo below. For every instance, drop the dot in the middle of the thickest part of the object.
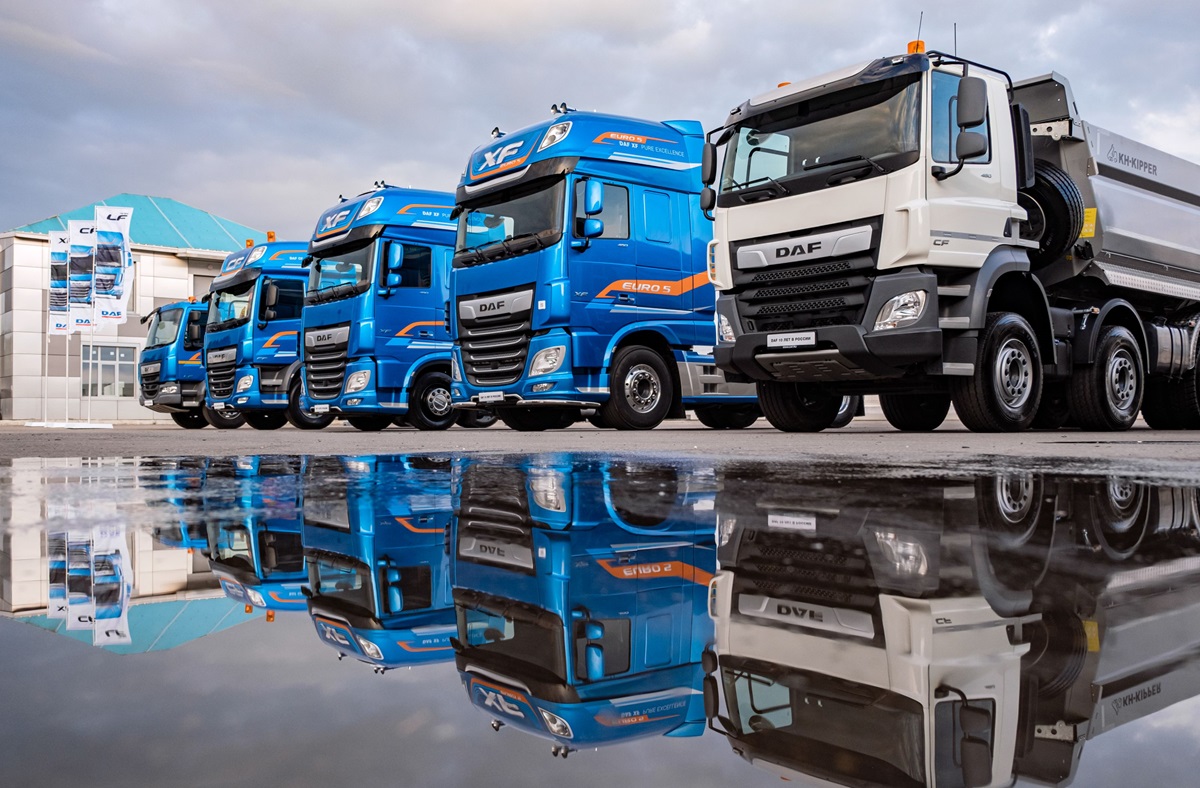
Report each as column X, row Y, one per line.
column 580, row 590
column 947, row 632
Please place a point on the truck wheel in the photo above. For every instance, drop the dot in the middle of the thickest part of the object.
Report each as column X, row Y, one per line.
column 597, row 421
column 849, row 408
column 429, row 402
column 300, row 418
column 477, row 419
column 1055, row 209
column 267, row 420
column 1004, row 393
column 1173, row 404
column 727, row 417
column 538, row 419
column 191, row 420
column 369, row 423
column 223, row 419
column 1054, row 412
column 1107, row 394
column 796, row 407
column 641, row 390
column 915, row 412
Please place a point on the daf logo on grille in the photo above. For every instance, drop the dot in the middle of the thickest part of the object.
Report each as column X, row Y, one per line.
column 491, row 307
column 326, row 337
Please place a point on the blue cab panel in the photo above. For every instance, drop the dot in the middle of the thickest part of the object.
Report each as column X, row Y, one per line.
column 374, row 326
column 579, row 238
column 171, row 366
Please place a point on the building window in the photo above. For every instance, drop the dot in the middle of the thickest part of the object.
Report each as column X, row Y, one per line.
column 109, row 371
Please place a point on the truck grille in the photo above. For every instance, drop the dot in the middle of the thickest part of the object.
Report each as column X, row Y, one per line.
column 785, row 565
column 58, row 296
column 493, row 504
column 220, row 376
column 824, row 292
column 150, row 384
column 325, row 361
column 494, row 348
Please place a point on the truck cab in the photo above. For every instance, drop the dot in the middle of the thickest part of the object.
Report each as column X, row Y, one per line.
column 579, row 284
column 251, row 343
column 376, row 347
column 574, row 626
column 171, row 366
column 375, row 531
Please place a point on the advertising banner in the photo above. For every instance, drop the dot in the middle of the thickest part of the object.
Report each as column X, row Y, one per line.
column 56, row 564
column 59, row 323
column 114, row 264
column 112, row 586
column 81, row 264
column 81, row 607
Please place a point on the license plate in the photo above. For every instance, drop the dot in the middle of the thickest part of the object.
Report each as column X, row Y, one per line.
column 218, row 406
column 793, row 522
column 147, row 402
column 492, row 396
column 320, row 408
column 794, row 339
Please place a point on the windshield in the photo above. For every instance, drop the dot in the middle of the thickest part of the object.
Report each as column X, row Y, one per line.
column 164, row 328
column 510, row 223
column 827, row 727
column 345, row 581
column 341, row 273
column 230, row 545
column 230, row 307
column 825, row 141
column 514, row 635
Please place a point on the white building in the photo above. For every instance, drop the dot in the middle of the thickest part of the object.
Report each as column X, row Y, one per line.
column 178, row 251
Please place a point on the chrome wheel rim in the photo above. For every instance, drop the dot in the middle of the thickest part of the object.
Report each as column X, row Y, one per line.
column 642, row 388
column 1122, row 380
column 437, row 400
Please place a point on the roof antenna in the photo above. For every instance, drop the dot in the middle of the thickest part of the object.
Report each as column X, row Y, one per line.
column 920, row 21
column 956, row 39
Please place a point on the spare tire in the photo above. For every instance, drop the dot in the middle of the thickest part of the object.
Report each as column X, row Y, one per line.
column 1055, row 209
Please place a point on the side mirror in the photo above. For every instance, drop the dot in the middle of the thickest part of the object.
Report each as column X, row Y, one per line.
column 394, row 280
column 593, row 630
column 395, row 258
column 594, row 657
column 974, row 721
column 195, row 332
column 972, row 102
column 708, row 164
column 270, row 295
column 708, row 199
column 593, row 199
column 592, row 228
column 269, row 314
column 976, row 762
column 969, row 145
column 711, row 700
column 708, row 661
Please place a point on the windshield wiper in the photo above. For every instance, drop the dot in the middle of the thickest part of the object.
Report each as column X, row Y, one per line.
column 774, row 183
column 506, row 247
column 856, row 157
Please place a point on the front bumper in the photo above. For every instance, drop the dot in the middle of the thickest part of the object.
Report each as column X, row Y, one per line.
column 252, row 399
column 558, row 389
column 174, row 396
column 365, row 402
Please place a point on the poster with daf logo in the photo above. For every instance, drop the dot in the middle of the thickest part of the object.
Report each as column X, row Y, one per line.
column 56, row 569
column 59, row 315
column 112, row 586
column 113, row 272
column 80, row 263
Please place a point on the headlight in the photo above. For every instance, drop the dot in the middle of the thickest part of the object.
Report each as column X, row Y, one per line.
column 358, row 466
column 358, row 381
column 725, row 329
column 244, row 383
column 557, row 133
column 903, row 310
column 257, row 253
column 548, row 360
column 725, row 528
column 455, row 372
column 151, row 369
column 547, row 488
column 557, row 725
column 369, row 648
column 906, row 554
column 369, row 207
column 712, row 261
column 170, row 389
column 255, row 598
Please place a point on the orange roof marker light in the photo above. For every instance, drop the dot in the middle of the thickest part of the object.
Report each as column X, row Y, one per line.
column 916, row 47
column 249, row 242
column 270, row 236
column 783, row 84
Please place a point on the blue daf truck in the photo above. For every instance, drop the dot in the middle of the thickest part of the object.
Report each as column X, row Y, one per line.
column 576, row 624
column 171, row 367
column 376, row 347
column 251, row 345
column 378, row 568
column 580, row 284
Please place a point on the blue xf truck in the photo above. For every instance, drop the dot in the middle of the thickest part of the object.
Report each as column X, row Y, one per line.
column 251, row 346
column 376, row 346
column 171, row 367
column 576, row 623
column 580, row 283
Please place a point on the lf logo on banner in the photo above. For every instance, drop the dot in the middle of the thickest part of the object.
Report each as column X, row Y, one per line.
column 114, row 263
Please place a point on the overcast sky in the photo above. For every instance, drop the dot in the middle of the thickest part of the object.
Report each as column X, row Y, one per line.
column 265, row 111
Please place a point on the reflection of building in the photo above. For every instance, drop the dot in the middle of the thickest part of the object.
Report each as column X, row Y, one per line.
column 178, row 250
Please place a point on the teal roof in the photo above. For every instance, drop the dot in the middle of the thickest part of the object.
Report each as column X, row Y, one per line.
column 161, row 221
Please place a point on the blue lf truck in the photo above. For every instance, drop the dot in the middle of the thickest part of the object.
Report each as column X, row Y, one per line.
column 575, row 624
column 171, row 366
column 579, row 283
column 378, row 568
column 251, row 345
column 376, row 347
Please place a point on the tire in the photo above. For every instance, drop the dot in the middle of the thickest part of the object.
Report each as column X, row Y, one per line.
column 477, row 419
column 597, row 421
column 849, row 408
column 643, row 496
column 190, row 420
column 796, row 407
column 223, row 419
column 1055, row 209
column 1054, row 412
column 300, row 418
column 727, row 417
column 370, row 423
column 538, row 419
column 641, row 390
column 267, row 419
column 1004, row 393
column 1107, row 395
column 915, row 412
column 399, row 421
column 429, row 402
column 1173, row 404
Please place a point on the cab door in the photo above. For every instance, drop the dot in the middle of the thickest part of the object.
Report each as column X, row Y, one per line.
column 408, row 303
column 603, row 269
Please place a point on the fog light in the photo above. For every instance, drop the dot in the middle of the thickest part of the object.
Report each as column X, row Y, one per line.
column 256, row 598
column 903, row 310
column 547, row 360
column 370, row 649
column 540, row 387
column 724, row 329
column 355, row 401
column 170, row 389
column 244, row 383
column 358, row 381
column 906, row 554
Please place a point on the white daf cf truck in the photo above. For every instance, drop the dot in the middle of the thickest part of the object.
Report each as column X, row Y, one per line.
column 923, row 228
